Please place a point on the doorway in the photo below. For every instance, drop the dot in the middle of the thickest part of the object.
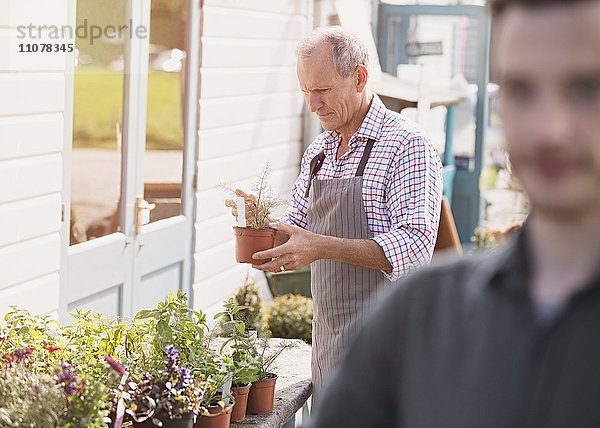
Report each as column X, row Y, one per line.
column 132, row 156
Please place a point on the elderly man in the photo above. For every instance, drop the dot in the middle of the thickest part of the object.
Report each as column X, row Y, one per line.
column 365, row 208
column 509, row 339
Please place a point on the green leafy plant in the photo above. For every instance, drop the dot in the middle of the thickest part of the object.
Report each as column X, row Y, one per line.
column 290, row 317
column 38, row 332
column 249, row 298
column 88, row 407
column 243, row 363
column 172, row 322
column 260, row 204
column 91, row 336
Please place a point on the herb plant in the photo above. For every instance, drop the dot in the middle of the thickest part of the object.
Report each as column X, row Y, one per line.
column 260, row 204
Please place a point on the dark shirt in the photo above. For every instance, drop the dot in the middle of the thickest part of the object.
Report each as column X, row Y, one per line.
column 461, row 345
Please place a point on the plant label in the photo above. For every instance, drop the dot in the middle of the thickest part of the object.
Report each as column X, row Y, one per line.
column 241, row 209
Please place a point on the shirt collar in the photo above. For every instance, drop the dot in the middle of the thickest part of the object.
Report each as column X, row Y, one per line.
column 369, row 128
column 512, row 268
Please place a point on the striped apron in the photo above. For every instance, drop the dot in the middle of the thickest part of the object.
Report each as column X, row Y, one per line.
column 342, row 293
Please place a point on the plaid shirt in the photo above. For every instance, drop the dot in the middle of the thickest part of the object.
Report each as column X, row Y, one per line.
column 402, row 185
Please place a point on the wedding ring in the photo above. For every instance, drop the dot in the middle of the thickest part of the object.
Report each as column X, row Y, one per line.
column 282, row 269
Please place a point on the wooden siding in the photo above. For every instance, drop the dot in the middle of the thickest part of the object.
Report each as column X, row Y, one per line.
column 31, row 165
column 251, row 113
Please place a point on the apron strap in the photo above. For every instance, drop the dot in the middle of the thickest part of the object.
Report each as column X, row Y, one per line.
column 315, row 165
column 365, row 157
column 317, row 162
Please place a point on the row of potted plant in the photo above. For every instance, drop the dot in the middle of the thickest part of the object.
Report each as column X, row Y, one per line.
column 164, row 368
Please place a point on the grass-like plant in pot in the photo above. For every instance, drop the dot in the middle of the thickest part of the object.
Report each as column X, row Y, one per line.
column 262, row 392
column 256, row 236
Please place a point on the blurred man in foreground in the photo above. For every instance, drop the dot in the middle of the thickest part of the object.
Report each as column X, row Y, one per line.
column 510, row 339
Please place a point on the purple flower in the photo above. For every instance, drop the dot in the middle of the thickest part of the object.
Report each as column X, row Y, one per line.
column 67, row 379
column 23, row 354
column 172, row 357
column 185, row 378
column 115, row 365
column 172, row 354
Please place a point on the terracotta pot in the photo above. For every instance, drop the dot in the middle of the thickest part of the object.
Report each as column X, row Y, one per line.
column 186, row 421
column 249, row 241
column 262, row 396
column 218, row 418
column 240, row 393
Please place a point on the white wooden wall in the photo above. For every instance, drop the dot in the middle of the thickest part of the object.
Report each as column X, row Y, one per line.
column 32, row 103
column 250, row 113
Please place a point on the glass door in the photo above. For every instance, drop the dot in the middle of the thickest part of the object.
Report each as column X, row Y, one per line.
column 134, row 122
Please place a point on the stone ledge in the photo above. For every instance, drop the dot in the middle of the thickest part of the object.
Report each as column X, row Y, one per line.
column 292, row 389
column 287, row 402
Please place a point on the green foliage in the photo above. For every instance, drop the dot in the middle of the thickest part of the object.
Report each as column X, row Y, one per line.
column 92, row 336
column 243, row 363
column 174, row 323
column 249, row 298
column 88, row 407
column 24, row 330
column 291, row 317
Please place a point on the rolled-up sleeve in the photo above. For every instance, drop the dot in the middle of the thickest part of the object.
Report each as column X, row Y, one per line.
column 413, row 203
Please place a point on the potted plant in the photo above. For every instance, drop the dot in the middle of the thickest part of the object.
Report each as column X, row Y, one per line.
column 215, row 412
column 170, row 398
column 242, row 364
column 255, row 236
column 262, row 392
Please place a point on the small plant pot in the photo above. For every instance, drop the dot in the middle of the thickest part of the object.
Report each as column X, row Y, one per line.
column 219, row 418
column 186, row 421
column 262, row 396
column 240, row 393
column 249, row 241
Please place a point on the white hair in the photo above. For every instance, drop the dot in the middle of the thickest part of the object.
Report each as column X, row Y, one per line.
column 348, row 51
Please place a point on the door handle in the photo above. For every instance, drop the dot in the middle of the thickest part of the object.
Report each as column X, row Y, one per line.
column 142, row 217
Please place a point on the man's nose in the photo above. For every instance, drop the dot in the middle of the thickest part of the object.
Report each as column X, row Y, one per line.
column 313, row 101
column 553, row 124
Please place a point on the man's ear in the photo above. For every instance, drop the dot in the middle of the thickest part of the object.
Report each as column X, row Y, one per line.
column 362, row 74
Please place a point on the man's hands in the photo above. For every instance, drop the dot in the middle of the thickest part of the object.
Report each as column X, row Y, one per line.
column 304, row 247
column 301, row 249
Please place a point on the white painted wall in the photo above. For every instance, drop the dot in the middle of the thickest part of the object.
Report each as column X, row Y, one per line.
column 32, row 104
column 250, row 113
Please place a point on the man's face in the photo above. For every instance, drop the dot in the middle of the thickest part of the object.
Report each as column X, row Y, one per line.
column 334, row 99
column 548, row 67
